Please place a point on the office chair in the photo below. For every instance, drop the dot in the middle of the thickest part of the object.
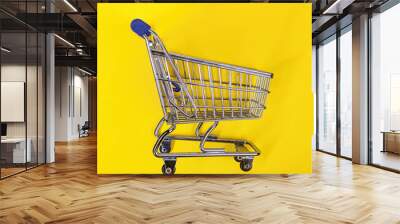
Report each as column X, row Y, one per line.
column 84, row 129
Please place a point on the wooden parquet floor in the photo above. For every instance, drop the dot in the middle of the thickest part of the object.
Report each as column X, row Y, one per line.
column 69, row 191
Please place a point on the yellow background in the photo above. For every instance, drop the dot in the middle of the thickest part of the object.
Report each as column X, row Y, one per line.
column 270, row 37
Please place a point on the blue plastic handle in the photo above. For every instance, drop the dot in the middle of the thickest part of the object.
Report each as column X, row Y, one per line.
column 140, row 27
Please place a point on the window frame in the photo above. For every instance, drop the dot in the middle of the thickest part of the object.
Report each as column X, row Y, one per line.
column 334, row 37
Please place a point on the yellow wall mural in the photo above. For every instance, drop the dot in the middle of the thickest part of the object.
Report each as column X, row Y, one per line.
column 268, row 37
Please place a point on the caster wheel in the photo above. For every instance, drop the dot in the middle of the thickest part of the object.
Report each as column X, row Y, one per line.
column 166, row 146
column 168, row 170
column 238, row 159
column 246, row 165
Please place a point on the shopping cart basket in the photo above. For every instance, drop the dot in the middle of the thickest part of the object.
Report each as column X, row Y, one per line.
column 193, row 90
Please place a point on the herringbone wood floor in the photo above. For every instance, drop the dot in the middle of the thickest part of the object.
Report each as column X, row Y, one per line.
column 69, row 191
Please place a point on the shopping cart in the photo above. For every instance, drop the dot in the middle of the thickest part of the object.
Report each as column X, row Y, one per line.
column 193, row 90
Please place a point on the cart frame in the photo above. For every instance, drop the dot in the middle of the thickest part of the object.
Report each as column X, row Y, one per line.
column 180, row 105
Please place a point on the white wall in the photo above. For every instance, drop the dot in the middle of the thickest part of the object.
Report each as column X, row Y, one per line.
column 81, row 103
column 62, row 81
column 71, row 102
column 12, row 101
column 12, row 73
column 17, row 73
column 33, row 127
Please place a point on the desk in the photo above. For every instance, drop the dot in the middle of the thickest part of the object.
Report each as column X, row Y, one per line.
column 13, row 150
column 391, row 141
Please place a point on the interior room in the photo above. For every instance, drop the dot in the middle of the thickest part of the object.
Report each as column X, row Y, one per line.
column 22, row 100
column 51, row 128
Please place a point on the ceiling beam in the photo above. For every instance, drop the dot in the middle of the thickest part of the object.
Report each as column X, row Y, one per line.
column 84, row 24
column 81, row 61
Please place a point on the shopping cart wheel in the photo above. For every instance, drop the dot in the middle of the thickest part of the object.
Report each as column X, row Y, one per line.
column 238, row 159
column 166, row 146
column 168, row 168
column 246, row 164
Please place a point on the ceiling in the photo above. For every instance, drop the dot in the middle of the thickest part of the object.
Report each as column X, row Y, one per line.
column 76, row 22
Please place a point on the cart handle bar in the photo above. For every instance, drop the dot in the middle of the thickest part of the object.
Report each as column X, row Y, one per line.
column 142, row 29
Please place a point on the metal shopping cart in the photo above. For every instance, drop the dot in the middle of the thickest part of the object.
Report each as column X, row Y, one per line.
column 193, row 90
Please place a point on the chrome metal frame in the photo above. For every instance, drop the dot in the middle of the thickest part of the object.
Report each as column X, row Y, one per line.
column 241, row 150
column 193, row 90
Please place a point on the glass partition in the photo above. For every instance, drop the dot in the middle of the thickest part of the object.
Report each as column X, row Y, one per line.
column 31, row 100
column 22, row 78
column 34, row 70
column 15, row 150
column 41, row 91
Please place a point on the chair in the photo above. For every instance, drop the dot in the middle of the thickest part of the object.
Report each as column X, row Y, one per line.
column 84, row 129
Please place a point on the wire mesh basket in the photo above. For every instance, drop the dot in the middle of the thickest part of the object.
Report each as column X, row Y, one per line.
column 215, row 91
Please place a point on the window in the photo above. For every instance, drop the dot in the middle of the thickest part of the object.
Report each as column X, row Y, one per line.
column 346, row 93
column 327, row 96
column 394, row 102
column 385, row 88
